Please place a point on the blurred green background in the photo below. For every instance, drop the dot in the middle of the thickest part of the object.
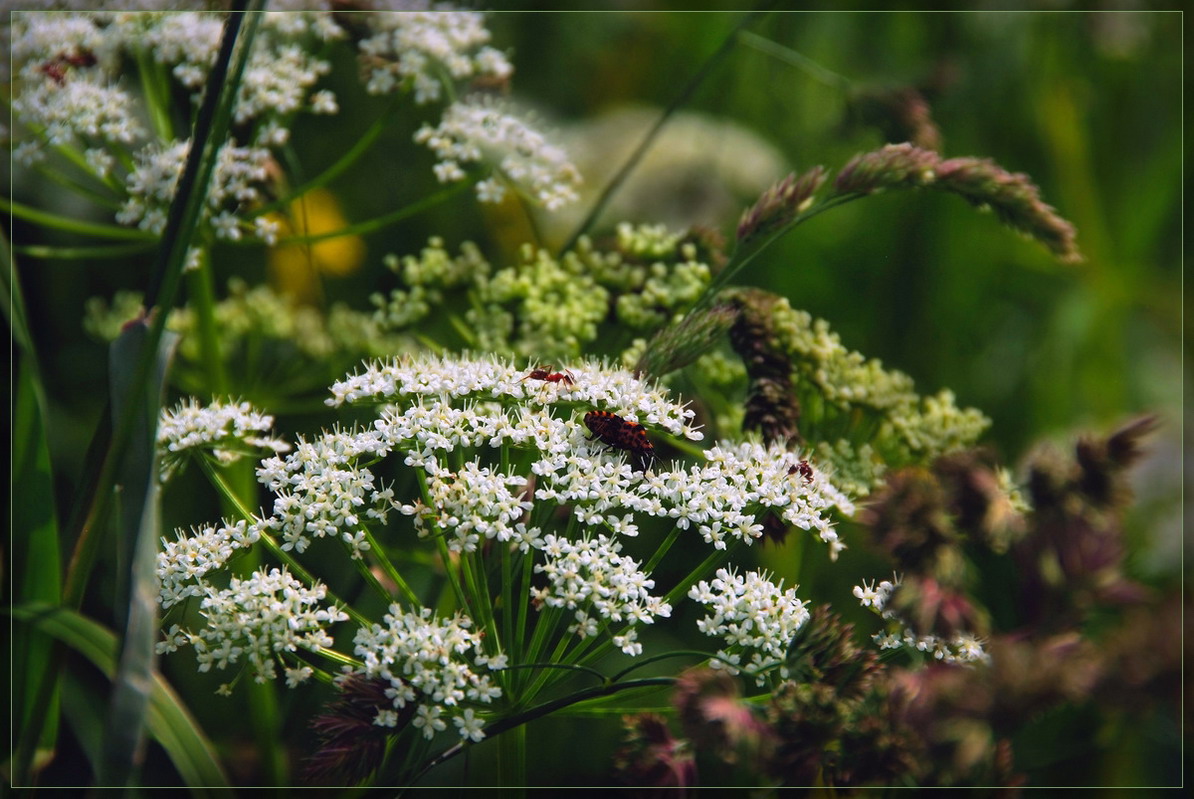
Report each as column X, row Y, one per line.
column 1088, row 104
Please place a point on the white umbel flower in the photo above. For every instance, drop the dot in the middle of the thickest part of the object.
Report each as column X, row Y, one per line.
column 756, row 617
column 183, row 563
column 228, row 430
column 590, row 578
column 259, row 620
column 484, row 130
column 426, row 660
column 416, row 49
column 238, row 184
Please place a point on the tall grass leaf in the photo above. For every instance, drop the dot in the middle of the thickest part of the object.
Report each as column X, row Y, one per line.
column 137, row 541
column 35, row 557
column 168, row 721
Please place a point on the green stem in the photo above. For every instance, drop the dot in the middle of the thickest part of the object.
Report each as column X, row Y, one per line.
column 683, row 444
column 371, row 225
column 799, row 60
column 524, row 602
column 663, row 549
column 339, row 657
column 683, row 97
column 475, row 580
column 744, row 255
column 519, row 719
column 156, row 95
column 441, row 545
column 545, row 625
column 82, row 253
column 546, row 676
column 104, row 200
column 567, row 666
column 335, row 170
column 203, row 301
column 388, row 567
column 508, row 597
column 50, row 220
column 512, row 758
column 666, row 655
column 716, row 557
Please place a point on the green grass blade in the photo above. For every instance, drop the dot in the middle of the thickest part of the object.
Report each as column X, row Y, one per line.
column 35, row 558
column 169, row 721
column 139, row 534
column 35, row 564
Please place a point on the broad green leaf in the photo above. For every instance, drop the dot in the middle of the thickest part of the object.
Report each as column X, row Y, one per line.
column 168, row 720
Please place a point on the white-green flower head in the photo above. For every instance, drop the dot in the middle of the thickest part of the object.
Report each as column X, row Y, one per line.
column 452, row 379
column 416, row 48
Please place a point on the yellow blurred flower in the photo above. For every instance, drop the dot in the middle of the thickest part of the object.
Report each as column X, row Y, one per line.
column 295, row 269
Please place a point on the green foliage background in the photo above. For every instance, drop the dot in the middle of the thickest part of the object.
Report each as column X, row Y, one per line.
column 1088, row 104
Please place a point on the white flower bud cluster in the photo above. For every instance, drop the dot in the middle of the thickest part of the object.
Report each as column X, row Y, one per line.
column 756, row 617
column 258, row 620
column 426, row 660
column 229, row 430
column 475, row 131
column 962, row 648
column 601, row 586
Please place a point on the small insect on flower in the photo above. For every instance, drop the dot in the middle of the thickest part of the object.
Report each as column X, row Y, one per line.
column 619, row 433
column 545, row 373
column 805, row 470
column 56, row 68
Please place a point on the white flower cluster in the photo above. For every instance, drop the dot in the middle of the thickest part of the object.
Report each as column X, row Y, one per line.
column 755, row 616
column 183, row 563
column 237, row 184
column 473, row 503
column 439, row 410
column 258, row 620
column 322, row 492
column 720, row 497
column 425, row 661
column 487, row 378
column 73, row 112
column 962, row 648
column 70, row 64
column 474, row 131
column 601, row 586
column 229, row 430
column 414, row 49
